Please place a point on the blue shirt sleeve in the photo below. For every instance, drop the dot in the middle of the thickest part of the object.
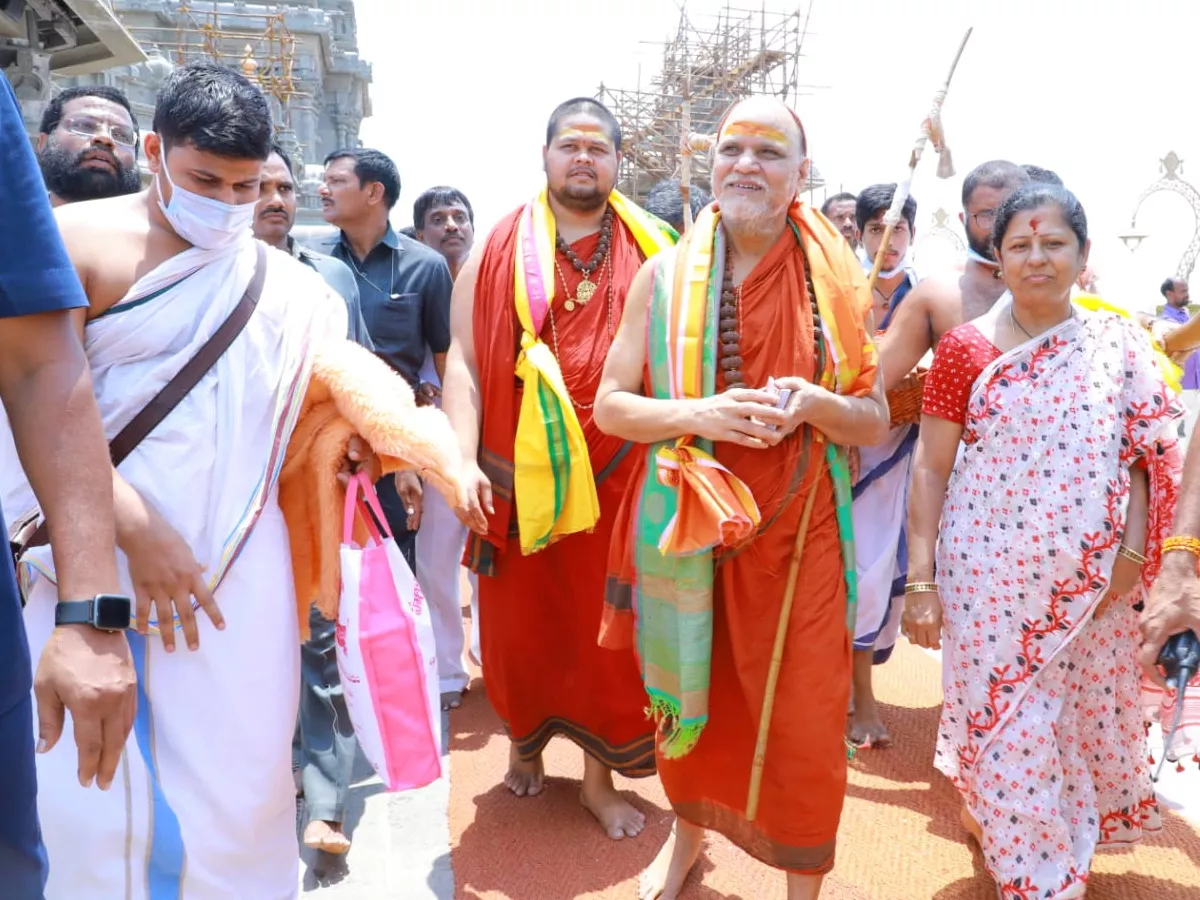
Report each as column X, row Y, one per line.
column 436, row 306
column 36, row 274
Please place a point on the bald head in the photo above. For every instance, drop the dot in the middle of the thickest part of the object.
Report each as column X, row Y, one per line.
column 759, row 166
column 765, row 115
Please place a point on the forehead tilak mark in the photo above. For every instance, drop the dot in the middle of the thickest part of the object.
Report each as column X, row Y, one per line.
column 748, row 128
column 584, row 130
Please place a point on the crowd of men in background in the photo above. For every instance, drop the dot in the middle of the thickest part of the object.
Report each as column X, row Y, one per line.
column 397, row 287
column 88, row 148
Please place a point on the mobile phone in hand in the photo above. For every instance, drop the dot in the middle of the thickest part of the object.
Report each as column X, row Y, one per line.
column 784, row 396
column 781, row 400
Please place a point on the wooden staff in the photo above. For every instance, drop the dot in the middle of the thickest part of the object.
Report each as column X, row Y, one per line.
column 785, row 615
column 685, row 163
column 930, row 128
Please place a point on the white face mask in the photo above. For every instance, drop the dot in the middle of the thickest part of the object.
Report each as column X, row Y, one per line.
column 203, row 222
column 868, row 263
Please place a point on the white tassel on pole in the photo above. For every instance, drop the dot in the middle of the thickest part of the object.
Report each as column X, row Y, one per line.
column 931, row 132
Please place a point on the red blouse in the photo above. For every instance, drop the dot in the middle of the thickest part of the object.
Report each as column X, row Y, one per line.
column 961, row 355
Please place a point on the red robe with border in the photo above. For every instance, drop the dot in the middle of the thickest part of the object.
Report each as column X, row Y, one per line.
column 539, row 614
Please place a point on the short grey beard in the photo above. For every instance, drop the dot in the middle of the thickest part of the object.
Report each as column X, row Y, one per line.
column 765, row 219
column 762, row 222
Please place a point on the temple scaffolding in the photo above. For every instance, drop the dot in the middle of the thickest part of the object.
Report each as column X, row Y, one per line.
column 704, row 69
column 304, row 56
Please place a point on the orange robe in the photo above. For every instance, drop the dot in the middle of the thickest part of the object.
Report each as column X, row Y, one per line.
column 539, row 614
column 805, row 768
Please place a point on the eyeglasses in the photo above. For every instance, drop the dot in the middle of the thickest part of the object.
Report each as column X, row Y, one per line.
column 984, row 218
column 86, row 126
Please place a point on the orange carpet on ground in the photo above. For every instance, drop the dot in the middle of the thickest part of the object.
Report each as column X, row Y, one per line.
column 900, row 838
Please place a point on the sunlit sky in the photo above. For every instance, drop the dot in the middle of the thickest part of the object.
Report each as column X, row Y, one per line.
column 1097, row 91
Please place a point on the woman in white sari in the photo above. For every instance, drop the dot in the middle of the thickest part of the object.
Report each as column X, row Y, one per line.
column 1045, row 480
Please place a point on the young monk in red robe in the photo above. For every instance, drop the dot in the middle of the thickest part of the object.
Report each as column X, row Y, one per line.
column 761, row 295
column 532, row 317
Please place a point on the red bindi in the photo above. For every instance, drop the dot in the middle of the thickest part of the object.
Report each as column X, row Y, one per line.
column 1033, row 223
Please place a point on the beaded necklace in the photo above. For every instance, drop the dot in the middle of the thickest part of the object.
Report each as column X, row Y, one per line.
column 729, row 327
column 554, row 327
column 587, row 288
column 729, row 324
column 731, row 338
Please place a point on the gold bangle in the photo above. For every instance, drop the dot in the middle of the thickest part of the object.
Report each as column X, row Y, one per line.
column 1182, row 542
column 1131, row 555
column 921, row 587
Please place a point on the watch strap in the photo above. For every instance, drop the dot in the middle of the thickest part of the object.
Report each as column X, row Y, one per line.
column 74, row 612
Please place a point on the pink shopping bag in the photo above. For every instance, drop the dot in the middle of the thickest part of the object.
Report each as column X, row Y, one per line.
column 385, row 652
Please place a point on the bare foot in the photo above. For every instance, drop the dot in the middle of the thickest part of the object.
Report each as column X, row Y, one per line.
column 865, row 729
column 524, row 778
column 664, row 879
column 616, row 816
column 969, row 823
column 327, row 836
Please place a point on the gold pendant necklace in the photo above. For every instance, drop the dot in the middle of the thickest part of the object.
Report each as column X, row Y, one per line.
column 585, row 291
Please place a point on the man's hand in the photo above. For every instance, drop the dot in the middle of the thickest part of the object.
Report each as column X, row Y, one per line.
column 90, row 673
column 408, row 488
column 921, row 621
column 1172, row 608
column 427, row 394
column 741, row 416
column 359, row 458
column 798, row 403
column 166, row 576
column 478, row 491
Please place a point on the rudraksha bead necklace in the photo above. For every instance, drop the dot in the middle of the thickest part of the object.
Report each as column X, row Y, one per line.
column 587, row 287
column 729, row 326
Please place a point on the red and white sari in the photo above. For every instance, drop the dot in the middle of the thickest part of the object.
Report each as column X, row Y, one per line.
column 1041, row 727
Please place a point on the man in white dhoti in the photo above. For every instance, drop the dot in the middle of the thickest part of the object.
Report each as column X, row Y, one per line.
column 881, row 492
column 444, row 221
column 203, row 805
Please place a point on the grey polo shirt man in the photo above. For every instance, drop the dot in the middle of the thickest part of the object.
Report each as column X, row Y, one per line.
column 342, row 280
column 404, row 289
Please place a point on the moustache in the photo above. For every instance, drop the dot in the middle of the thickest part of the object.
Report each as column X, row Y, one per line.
column 105, row 155
column 581, row 170
column 272, row 211
column 754, row 182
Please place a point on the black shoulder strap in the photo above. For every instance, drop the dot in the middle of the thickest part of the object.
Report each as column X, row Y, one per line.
column 173, row 392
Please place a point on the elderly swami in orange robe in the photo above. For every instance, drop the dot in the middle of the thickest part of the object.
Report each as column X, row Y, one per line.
column 762, row 295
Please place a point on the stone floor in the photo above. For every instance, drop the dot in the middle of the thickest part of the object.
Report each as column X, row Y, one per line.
column 401, row 844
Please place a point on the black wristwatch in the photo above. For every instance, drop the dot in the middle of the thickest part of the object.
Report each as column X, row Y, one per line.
column 104, row 612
